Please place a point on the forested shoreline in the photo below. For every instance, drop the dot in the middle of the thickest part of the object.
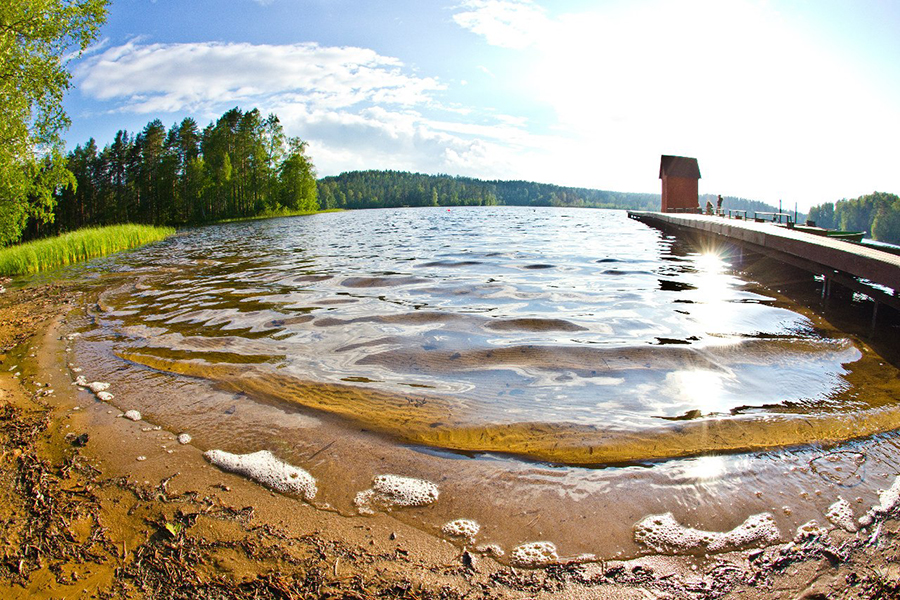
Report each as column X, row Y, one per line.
column 243, row 165
column 878, row 214
column 386, row 189
column 240, row 166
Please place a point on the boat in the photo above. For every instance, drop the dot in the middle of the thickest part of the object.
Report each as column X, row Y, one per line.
column 884, row 247
column 847, row 236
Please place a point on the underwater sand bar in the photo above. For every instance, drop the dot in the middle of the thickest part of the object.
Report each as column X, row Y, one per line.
column 430, row 421
column 817, row 254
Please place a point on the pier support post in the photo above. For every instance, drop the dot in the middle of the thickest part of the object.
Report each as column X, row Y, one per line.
column 874, row 317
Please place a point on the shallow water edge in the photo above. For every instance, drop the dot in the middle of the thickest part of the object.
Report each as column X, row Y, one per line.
column 403, row 371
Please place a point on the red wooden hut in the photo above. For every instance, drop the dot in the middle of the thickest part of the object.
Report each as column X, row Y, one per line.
column 679, row 176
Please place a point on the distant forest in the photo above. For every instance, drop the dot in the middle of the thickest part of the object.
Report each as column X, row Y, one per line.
column 381, row 189
column 877, row 213
column 242, row 165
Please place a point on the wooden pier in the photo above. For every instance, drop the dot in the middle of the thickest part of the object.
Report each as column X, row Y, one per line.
column 862, row 269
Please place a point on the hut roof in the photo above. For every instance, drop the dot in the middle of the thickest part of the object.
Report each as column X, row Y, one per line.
column 679, row 166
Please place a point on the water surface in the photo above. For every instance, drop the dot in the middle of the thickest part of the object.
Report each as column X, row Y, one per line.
column 559, row 373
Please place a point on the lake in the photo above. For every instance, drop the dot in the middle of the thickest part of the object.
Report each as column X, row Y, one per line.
column 559, row 374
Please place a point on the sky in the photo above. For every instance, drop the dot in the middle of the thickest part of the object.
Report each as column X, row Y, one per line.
column 795, row 101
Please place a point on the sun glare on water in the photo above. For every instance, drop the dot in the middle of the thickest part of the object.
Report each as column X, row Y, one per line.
column 714, row 294
column 705, row 468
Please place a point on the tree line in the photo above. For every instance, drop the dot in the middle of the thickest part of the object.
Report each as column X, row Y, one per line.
column 383, row 189
column 239, row 166
column 877, row 213
column 386, row 189
column 242, row 166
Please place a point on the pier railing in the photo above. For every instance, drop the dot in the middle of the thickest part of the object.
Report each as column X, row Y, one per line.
column 734, row 213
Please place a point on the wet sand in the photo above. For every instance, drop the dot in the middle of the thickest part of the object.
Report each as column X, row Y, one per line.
column 84, row 517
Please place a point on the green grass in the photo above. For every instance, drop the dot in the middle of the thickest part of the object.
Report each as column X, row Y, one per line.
column 76, row 246
column 274, row 214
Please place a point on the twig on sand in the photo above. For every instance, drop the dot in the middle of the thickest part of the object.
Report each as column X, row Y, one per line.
column 874, row 538
column 322, row 449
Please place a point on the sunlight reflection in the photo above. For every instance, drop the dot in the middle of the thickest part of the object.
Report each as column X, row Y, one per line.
column 705, row 467
column 699, row 390
column 710, row 262
column 714, row 291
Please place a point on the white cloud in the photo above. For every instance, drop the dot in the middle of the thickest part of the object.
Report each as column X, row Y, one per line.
column 377, row 138
column 153, row 78
column 356, row 108
column 507, row 23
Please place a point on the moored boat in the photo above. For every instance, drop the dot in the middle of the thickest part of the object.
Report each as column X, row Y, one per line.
column 848, row 236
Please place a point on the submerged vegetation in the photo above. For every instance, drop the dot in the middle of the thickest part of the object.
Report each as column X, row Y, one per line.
column 76, row 246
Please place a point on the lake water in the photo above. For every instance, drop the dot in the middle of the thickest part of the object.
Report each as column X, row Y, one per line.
column 558, row 373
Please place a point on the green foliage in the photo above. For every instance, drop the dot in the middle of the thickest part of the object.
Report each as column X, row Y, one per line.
column 174, row 528
column 277, row 213
column 36, row 37
column 297, row 180
column 76, row 246
column 238, row 167
column 377, row 189
column 877, row 213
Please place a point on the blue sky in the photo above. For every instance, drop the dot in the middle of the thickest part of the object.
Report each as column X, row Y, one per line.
column 779, row 100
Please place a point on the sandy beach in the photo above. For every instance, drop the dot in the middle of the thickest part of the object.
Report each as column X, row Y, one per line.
column 99, row 506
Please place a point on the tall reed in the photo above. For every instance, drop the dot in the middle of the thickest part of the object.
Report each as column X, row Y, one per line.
column 76, row 246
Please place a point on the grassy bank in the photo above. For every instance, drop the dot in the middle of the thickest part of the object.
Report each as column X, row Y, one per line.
column 274, row 214
column 76, row 246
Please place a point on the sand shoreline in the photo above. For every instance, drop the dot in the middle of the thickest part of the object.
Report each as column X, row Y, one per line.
column 91, row 520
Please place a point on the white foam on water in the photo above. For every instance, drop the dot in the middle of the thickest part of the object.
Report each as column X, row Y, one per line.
column 887, row 501
column 664, row 533
column 263, row 467
column 364, row 501
column 105, row 396
column 98, row 386
column 492, row 549
column 388, row 491
column 133, row 415
column 809, row 530
column 534, row 554
column 841, row 515
column 461, row 528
